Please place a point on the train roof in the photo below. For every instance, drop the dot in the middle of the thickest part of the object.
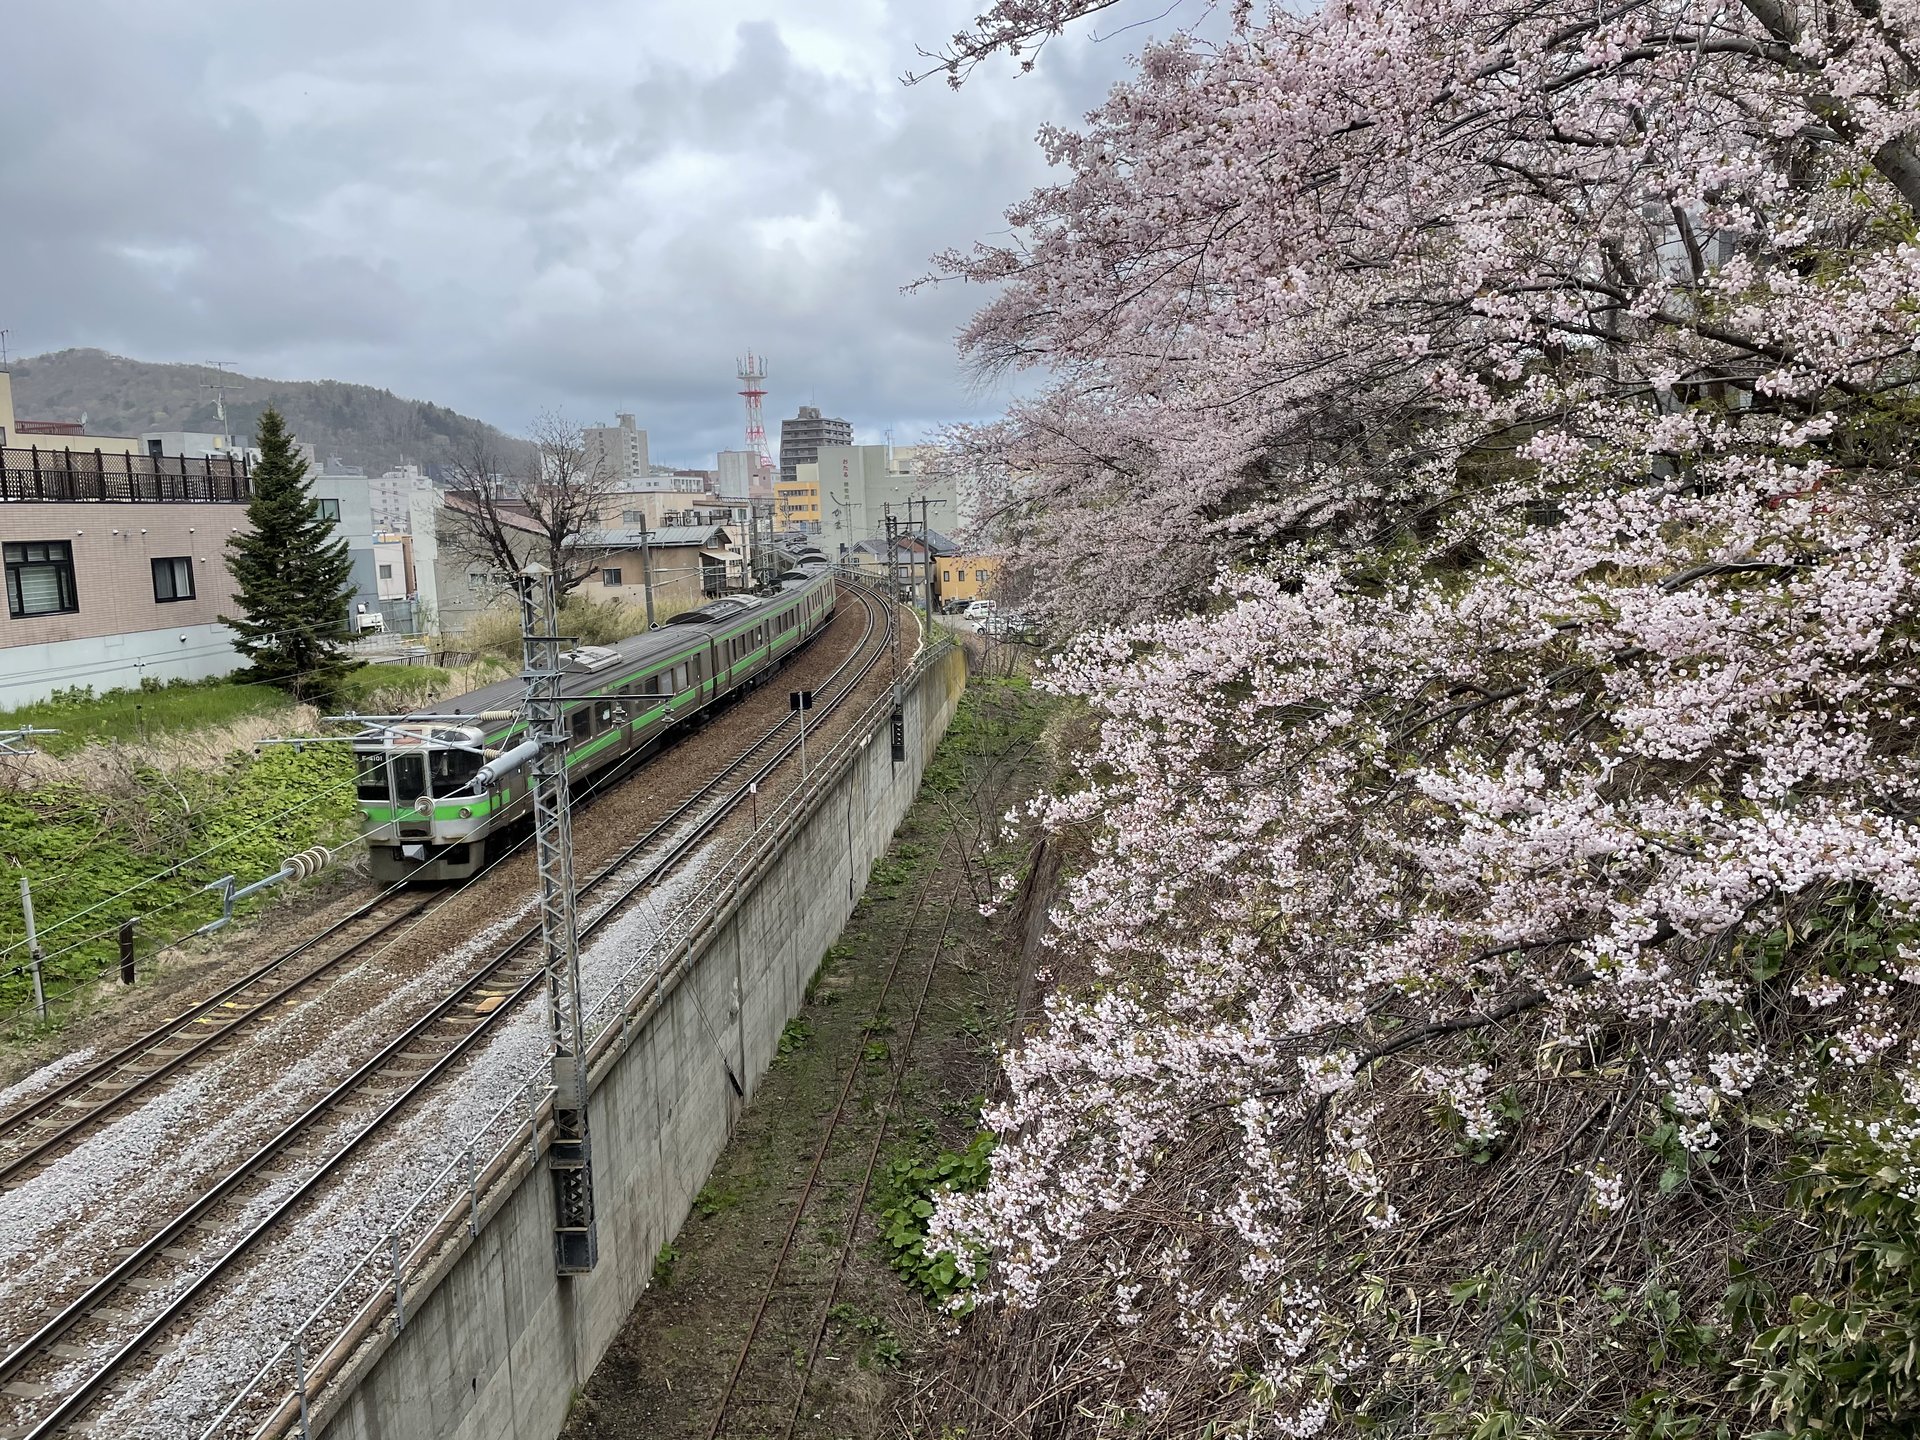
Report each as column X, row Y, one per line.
column 590, row 667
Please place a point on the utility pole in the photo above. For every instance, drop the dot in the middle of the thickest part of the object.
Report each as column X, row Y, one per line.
column 576, row 1243
column 646, row 567
column 893, row 634
column 220, row 388
column 925, row 588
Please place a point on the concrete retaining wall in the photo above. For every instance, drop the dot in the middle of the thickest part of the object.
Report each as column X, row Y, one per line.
column 500, row 1345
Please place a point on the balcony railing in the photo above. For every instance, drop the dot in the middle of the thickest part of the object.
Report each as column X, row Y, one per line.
column 65, row 476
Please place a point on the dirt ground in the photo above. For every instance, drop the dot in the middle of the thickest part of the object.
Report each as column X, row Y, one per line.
column 668, row 1371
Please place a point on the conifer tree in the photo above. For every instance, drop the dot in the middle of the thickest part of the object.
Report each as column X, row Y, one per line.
column 292, row 576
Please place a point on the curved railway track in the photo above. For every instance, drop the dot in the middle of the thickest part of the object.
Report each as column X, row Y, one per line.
column 39, row 1131
column 212, row 1236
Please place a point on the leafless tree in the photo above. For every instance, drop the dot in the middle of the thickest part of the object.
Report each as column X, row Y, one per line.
column 502, row 520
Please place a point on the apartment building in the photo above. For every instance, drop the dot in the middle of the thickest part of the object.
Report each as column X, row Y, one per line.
column 803, row 437
column 619, row 450
column 796, row 506
column 115, row 559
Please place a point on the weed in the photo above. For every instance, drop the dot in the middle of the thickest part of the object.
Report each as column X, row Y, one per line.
column 906, row 1202
column 133, row 715
column 664, row 1262
column 877, row 1052
column 717, row 1197
column 796, row 1034
column 878, row 1344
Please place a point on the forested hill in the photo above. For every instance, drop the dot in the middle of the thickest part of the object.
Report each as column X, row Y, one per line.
column 359, row 423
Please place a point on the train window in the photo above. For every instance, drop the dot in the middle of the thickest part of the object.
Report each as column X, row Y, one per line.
column 650, row 686
column 452, row 770
column 373, row 775
column 679, row 678
column 606, row 713
column 409, row 777
column 582, row 723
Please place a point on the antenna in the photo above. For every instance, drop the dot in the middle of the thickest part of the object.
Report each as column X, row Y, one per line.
column 752, row 372
column 220, row 388
column 3, row 348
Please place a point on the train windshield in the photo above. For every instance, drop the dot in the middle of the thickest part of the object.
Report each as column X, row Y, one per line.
column 409, row 777
column 453, row 770
column 373, row 775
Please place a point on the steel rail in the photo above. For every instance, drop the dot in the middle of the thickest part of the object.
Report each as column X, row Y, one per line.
column 102, row 1291
column 152, row 1045
column 866, row 1179
column 63, row 1135
column 867, row 1033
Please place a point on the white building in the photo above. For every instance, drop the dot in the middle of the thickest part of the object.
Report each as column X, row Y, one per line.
column 390, row 497
column 859, row 482
column 739, row 474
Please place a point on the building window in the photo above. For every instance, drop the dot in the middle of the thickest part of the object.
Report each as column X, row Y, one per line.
column 173, row 578
column 328, row 510
column 609, row 574
column 386, row 572
column 946, row 577
column 40, row 578
column 979, row 577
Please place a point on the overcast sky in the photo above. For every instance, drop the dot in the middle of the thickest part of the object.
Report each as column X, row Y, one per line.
column 591, row 204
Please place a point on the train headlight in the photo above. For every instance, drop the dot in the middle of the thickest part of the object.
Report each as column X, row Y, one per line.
column 424, row 805
column 466, row 813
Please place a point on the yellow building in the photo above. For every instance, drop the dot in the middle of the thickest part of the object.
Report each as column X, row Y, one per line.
column 796, row 502
column 967, row 577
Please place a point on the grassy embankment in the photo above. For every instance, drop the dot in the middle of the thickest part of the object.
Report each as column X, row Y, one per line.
column 147, row 796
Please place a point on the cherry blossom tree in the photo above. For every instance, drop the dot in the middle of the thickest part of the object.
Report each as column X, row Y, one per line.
column 1500, row 846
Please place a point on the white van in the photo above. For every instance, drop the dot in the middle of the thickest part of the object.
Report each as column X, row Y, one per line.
column 980, row 610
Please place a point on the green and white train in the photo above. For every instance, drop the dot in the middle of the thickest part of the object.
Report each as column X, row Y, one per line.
column 431, row 808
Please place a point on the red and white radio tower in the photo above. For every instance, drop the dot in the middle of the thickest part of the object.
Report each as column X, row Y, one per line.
column 753, row 375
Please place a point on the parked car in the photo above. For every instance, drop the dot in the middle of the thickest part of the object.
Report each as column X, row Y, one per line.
column 980, row 609
column 954, row 606
column 1008, row 624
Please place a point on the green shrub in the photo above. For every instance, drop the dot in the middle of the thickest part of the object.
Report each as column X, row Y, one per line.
column 1845, row 1363
column 906, row 1199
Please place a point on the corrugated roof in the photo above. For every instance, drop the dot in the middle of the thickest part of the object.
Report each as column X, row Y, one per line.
column 671, row 535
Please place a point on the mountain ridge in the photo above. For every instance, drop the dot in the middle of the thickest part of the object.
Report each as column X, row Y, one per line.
column 360, row 424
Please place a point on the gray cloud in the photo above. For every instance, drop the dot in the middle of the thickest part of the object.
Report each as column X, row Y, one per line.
column 505, row 208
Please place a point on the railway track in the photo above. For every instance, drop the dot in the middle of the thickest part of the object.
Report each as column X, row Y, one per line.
column 38, row 1132
column 755, row 1396
column 84, row 1354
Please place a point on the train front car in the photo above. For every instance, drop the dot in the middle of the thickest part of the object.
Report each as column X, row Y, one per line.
column 421, row 814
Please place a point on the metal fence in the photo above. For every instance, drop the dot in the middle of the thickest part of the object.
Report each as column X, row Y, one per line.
column 63, row 476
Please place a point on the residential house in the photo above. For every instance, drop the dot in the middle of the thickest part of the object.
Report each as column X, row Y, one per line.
column 966, row 575
column 686, row 563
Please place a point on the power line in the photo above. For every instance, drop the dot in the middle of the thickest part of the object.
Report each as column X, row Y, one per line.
column 181, row 865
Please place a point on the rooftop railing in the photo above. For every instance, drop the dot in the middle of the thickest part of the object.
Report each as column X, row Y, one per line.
column 90, row 476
